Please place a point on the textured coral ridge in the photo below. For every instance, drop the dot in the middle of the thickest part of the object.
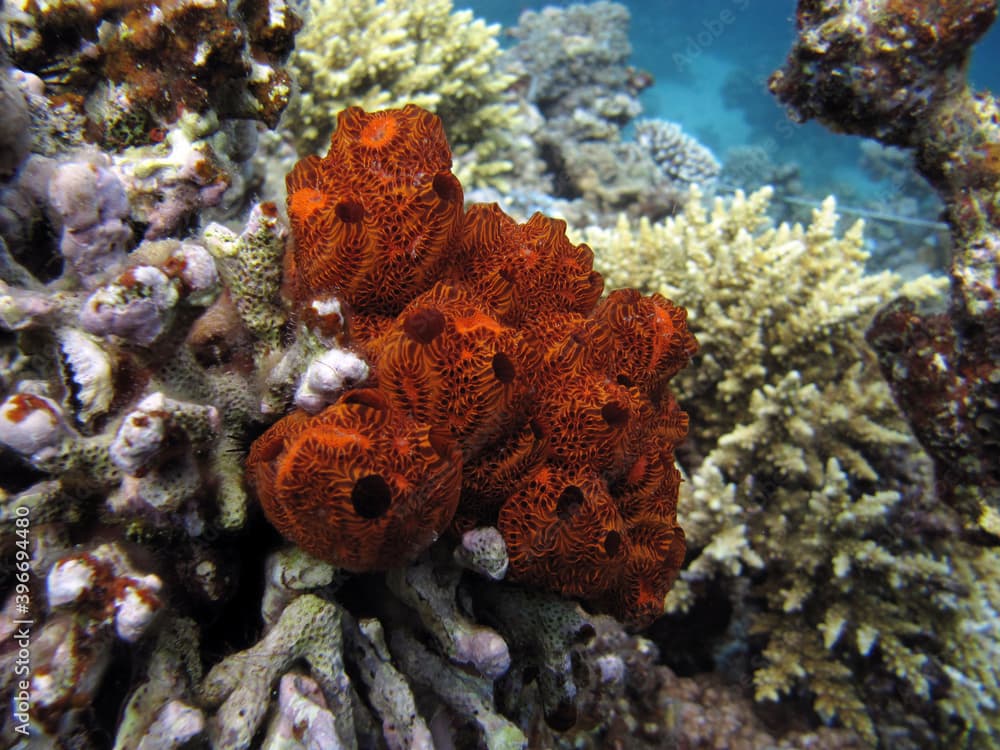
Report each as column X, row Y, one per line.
column 503, row 392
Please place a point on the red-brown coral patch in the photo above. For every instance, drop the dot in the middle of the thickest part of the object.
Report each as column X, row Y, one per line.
column 374, row 219
column 358, row 483
column 524, row 270
column 448, row 362
column 504, row 392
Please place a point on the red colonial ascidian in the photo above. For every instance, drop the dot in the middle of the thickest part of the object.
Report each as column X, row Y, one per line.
column 375, row 219
column 358, row 483
column 504, row 390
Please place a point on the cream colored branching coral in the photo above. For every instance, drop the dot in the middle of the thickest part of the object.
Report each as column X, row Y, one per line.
column 836, row 502
column 806, row 481
column 378, row 54
column 764, row 300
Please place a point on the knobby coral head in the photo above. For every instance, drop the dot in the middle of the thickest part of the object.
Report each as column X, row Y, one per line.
column 505, row 391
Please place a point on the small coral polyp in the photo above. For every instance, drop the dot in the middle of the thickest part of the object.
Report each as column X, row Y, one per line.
column 379, row 131
column 503, row 392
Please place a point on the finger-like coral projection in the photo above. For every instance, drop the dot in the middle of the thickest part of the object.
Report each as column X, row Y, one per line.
column 501, row 391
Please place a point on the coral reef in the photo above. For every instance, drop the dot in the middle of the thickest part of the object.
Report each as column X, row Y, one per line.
column 575, row 83
column 134, row 372
column 378, row 54
column 575, row 60
column 735, row 260
column 496, row 376
column 700, row 712
column 809, row 500
column 905, row 86
column 113, row 65
column 308, row 630
column 96, row 200
column 162, row 139
column 460, row 404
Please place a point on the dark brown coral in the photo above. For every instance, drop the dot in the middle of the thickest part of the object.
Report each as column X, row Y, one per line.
column 896, row 71
column 163, row 57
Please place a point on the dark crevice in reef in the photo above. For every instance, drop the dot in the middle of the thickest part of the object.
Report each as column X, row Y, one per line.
column 689, row 643
column 237, row 625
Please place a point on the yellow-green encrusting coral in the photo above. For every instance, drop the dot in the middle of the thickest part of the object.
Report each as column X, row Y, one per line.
column 378, row 54
column 809, row 498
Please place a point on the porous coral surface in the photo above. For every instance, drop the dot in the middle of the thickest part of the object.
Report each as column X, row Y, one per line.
column 501, row 387
column 810, row 504
column 132, row 68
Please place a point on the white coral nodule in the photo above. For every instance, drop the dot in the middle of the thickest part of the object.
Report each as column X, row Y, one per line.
column 31, row 425
column 328, row 375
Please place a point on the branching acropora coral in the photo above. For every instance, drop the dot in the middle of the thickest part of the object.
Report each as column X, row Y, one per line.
column 731, row 263
column 806, row 478
column 502, row 391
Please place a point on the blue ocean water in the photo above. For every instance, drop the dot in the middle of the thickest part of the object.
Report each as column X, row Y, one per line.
column 711, row 61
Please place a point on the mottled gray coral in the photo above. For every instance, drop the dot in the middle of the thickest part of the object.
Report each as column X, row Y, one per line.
column 239, row 686
column 579, row 92
column 431, row 592
column 251, row 266
column 390, row 694
column 160, row 714
column 469, row 696
column 90, row 202
column 542, row 630
column 290, row 572
column 15, row 131
column 576, row 58
column 678, row 155
column 483, row 551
